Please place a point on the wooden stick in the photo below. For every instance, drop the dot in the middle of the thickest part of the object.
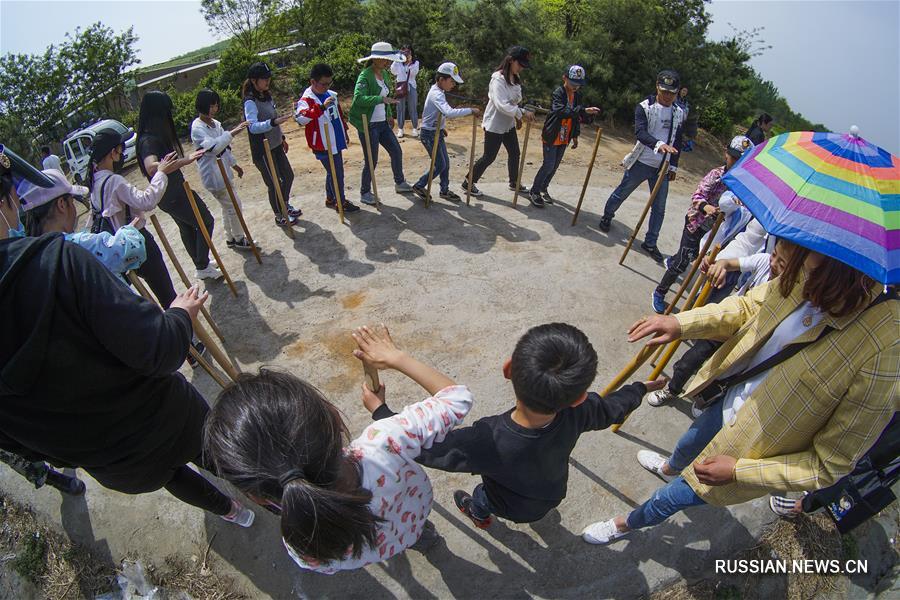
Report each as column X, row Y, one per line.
column 521, row 162
column 276, row 181
column 217, row 353
column 142, row 290
column 587, row 176
column 434, row 149
column 471, row 160
column 334, row 178
column 663, row 170
column 237, row 209
column 369, row 160
column 205, row 232
column 371, row 377
column 674, row 345
column 184, row 278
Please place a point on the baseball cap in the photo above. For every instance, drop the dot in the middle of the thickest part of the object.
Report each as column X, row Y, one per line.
column 575, row 74
column 259, row 70
column 105, row 141
column 739, row 144
column 521, row 55
column 667, row 80
column 31, row 196
column 449, row 68
column 17, row 169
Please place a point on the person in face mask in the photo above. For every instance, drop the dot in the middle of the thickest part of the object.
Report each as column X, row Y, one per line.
column 53, row 210
column 13, row 170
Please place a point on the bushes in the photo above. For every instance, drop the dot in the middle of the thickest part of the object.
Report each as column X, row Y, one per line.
column 341, row 52
column 184, row 113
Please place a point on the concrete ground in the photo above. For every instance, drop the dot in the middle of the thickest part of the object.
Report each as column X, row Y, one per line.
column 457, row 285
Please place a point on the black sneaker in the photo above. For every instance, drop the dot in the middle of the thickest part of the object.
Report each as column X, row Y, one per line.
column 536, row 200
column 463, row 502
column 546, row 198
column 241, row 244
column 281, row 221
column 293, row 212
column 349, row 207
column 475, row 191
column 201, row 350
column 523, row 189
column 605, row 224
column 451, row 196
column 64, row 483
column 420, row 192
column 653, row 251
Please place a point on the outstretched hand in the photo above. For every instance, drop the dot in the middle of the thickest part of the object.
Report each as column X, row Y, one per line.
column 656, row 384
column 376, row 349
column 190, row 300
column 664, row 328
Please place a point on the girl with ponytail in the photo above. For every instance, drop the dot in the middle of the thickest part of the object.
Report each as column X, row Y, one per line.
column 343, row 504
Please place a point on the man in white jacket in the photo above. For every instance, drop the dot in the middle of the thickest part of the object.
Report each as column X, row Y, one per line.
column 208, row 134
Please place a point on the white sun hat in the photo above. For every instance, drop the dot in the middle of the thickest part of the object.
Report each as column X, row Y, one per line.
column 385, row 51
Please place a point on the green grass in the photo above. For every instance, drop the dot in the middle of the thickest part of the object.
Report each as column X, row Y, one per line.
column 29, row 562
column 198, row 55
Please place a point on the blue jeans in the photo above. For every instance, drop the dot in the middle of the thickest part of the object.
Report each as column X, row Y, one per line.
column 338, row 168
column 553, row 155
column 696, row 438
column 381, row 135
column 407, row 107
column 481, row 506
column 441, row 161
column 634, row 177
column 673, row 497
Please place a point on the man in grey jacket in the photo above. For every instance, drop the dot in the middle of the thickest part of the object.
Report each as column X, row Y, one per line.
column 657, row 125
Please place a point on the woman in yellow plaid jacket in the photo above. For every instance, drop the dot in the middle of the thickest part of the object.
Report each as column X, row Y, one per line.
column 799, row 425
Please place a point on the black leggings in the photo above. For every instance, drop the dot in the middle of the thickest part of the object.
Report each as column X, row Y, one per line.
column 681, row 260
column 180, row 210
column 192, row 488
column 155, row 273
column 284, row 172
column 492, row 142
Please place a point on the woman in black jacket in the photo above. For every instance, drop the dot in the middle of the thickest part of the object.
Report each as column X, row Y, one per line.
column 760, row 127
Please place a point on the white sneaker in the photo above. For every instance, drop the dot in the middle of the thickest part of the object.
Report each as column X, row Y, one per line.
column 400, row 133
column 660, row 397
column 653, row 462
column 696, row 412
column 210, row 272
column 415, row 133
column 239, row 515
column 602, row 532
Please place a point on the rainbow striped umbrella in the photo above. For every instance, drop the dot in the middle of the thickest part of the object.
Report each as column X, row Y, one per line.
column 833, row 193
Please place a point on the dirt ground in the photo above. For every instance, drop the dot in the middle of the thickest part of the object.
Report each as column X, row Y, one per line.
column 457, row 285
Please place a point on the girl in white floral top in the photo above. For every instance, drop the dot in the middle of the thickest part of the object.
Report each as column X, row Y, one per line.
column 282, row 443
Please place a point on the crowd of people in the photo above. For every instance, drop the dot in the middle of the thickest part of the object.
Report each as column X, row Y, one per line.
column 794, row 376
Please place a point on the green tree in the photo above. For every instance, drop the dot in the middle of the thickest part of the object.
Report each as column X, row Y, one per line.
column 240, row 19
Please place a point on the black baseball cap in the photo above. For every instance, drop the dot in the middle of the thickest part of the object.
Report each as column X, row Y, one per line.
column 668, row 80
column 521, row 55
column 17, row 169
column 259, row 70
column 105, row 141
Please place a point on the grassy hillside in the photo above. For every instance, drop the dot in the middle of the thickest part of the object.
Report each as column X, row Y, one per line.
column 198, row 55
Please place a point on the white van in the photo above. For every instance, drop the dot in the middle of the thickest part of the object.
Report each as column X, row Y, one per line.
column 77, row 146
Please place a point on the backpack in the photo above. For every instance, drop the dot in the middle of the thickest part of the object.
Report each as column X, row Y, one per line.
column 98, row 221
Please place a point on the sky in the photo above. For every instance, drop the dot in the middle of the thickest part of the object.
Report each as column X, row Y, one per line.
column 836, row 62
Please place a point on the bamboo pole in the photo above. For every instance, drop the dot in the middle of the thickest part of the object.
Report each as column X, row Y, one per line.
column 673, row 346
column 237, row 210
column 142, row 290
column 587, row 176
column 336, row 186
column 521, row 162
column 276, row 181
column 371, row 374
column 663, row 171
column 434, row 151
column 184, row 278
column 214, row 349
column 368, row 150
column 205, row 232
column 471, row 159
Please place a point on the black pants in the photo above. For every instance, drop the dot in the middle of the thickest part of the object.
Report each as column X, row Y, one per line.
column 283, row 172
column 155, row 273
column 687, row 252
column 688, row 365
column 492, row 142
column 192, row 488
column 181, row 212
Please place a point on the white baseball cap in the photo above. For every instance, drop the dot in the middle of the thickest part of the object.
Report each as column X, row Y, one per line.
column 739, row 144
column 31, row 196
column 449, row 68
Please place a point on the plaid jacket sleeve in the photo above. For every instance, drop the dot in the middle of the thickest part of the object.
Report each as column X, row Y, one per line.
column 854, row 426
column 720, row 321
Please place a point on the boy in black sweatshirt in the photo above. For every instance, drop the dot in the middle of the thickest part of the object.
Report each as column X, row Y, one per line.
column 522, row 455
column 561, row 126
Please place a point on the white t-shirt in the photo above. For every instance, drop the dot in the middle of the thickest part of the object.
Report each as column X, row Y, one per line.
column 406, row 72
column 378, row 114
column 796, row 324
column 52, row 162
column 660, row 132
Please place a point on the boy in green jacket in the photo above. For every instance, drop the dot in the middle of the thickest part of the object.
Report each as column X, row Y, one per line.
column 371, row 98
